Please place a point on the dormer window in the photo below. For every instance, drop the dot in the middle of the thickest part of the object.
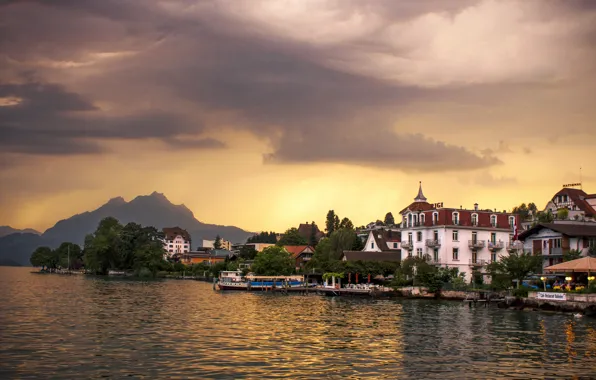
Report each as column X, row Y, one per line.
column 455, row 217
column 474, row 219
column 435, row 218
column 421, row 218
column 493, row 220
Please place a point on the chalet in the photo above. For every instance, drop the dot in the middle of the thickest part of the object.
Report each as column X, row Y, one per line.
column 581, row 206
column 466, row 239
column 176, row 240
column 552, row 240
column 302, row 254
column 382, row 241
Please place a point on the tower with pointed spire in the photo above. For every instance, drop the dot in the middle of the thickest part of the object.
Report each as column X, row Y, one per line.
column 420, row 197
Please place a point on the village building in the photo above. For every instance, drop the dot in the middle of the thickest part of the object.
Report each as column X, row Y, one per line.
column 553, row 240
column 301, row 254
column 309, row 231
column 380, row 245
column 467, row 239
column 581, row 206
column 211, row 244
column 176, row 240
column 205, row 256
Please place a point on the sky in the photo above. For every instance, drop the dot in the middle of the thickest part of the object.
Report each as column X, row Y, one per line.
column 264, row 114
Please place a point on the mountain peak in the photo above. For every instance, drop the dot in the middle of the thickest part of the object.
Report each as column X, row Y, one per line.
column 116, row 201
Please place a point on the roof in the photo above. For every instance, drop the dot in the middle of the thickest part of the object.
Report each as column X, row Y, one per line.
column 382, row 237
column 579, row 199
column 393, row 256
column 569, row 229
column 417, row 206
column 220, row 253
column 171, row 233
column 585, row 264
column 305, row 230
column 296, row 250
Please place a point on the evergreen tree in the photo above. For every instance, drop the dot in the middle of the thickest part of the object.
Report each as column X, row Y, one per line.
column 330, row 222
column 389, row 220
column 217, row 243
column 313, row 234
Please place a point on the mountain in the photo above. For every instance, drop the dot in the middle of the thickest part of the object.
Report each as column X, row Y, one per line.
column 7, row 230
column 149, row 210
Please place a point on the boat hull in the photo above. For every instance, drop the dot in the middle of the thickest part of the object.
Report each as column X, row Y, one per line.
column 256, row 285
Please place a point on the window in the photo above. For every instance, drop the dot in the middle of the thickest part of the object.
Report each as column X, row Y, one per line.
column 436, row 255
column 493, row 257
column 493, row 237
column 409, row 237
column 474, row 257
column 419, row 252
column 409, row 253
column 493, row 220
column 419, row 236
column 474, row 237
column 474, row 219
column 394, row 245
column 435, row 217
column 592, row 242
column 455, row 254
column 455, row 217
column 511, row 221
column 372, row 245
column 422, row 218
column 436, row 235
column 556, row 243
column 455, row 235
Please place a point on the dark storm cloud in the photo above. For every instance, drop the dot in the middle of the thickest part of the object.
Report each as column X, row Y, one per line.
column 48, row 120
column 276, row 87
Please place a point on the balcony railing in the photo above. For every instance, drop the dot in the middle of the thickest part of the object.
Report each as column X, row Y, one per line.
column 433, row 243
column 496, row 245
column 476, row 244
column 511, row 247
column 552, row 252
column 407, row 245
column 478, row 262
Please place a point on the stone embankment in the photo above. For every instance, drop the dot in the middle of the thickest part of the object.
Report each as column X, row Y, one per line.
column 576, row 303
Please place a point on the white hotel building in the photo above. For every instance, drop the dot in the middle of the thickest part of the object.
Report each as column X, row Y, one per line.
column 176, row 240
column 456, row 238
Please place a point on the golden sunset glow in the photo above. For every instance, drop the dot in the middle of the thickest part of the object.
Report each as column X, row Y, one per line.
column 266, row 114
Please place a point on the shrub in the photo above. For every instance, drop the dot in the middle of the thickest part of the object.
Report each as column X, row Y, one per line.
column 521, row 292
column 144, row 273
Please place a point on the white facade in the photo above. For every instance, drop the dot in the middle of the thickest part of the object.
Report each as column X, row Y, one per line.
column 372, row 243
column 211, row 244
column 177, row 245
column 461, row 247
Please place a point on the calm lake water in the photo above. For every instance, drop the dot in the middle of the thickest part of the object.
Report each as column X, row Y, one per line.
column 76, row 327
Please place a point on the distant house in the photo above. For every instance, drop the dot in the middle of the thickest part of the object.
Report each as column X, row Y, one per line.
column 259, row 247
column 176, row 240
column 552, row 240
column 382, row 241
column 306, row 231
column 581, row 206
column 206, row 256
column 211, row 244
column 302, row 254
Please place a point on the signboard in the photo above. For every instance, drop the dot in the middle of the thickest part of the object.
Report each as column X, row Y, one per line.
column 572, row 185
column 437, row 205
column 551, row 296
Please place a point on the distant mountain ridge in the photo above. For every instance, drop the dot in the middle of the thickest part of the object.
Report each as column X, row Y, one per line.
column 149, row 210
column 7, row 230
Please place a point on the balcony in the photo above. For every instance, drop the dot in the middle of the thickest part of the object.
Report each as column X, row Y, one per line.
column 476, row 244
column 407, row 245
column 496, row 245
column 552, row 252
column 478, row 262
column 512, row 247
column 431, row 243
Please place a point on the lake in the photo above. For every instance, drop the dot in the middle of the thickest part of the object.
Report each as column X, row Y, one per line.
column 75, row 327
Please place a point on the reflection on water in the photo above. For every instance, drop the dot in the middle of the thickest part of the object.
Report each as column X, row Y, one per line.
column 79, row 327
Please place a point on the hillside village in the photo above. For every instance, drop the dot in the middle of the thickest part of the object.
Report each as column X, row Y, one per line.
column 467, row 239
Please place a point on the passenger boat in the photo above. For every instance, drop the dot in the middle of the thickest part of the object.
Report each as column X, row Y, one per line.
column 234, row 280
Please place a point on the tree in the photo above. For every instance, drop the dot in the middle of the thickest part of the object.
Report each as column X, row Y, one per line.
column 263, row 237
column 389, row 220
column 217, row 243
column 248, row 252
column 313, row 234
column 336, row 223
column 68, row 255
column 346, row 224
column 545, row 217
column 41, row 257
column 516, row 266
column 562, row 213
column 572, row 254
column 292, row 237
column 321, row 259
column 330, row 222
column 273, row 261
column 340, row 241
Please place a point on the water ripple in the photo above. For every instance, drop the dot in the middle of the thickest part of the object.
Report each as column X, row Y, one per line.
column 80, row 327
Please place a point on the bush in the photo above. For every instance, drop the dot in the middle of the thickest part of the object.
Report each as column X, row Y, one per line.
column 521, row 292
column 144, row 273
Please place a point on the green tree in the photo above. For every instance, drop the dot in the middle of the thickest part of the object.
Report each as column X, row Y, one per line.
column 346, row 224
column 292, row 237
column 313, row 234
column 42, row 257
column 336, row 223
column 217, row 243
column 562, row 213
column 572, row 254
column 516, row 266
column 68, row 251
column 340, row 241
column 248, row 252
column 358, row 244
column 389, row 220
column 330, row 222
column 545, row 217
column 321, row 259
column 273, row 261
column 263, row 237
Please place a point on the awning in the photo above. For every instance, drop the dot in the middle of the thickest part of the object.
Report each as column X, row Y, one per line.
column 585, row 264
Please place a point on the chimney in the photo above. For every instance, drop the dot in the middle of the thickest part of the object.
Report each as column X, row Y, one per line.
column 461, row 207
column 475, row 206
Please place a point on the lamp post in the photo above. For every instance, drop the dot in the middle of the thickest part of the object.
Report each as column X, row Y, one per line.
column 543, row 282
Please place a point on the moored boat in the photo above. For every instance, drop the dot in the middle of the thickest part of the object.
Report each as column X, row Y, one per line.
column 234, row 280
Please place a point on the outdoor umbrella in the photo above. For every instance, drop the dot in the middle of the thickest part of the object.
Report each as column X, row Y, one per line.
column 585, row 264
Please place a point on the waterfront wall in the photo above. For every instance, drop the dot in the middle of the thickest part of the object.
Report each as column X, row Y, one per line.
column 422, row 292
column 569, row 297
